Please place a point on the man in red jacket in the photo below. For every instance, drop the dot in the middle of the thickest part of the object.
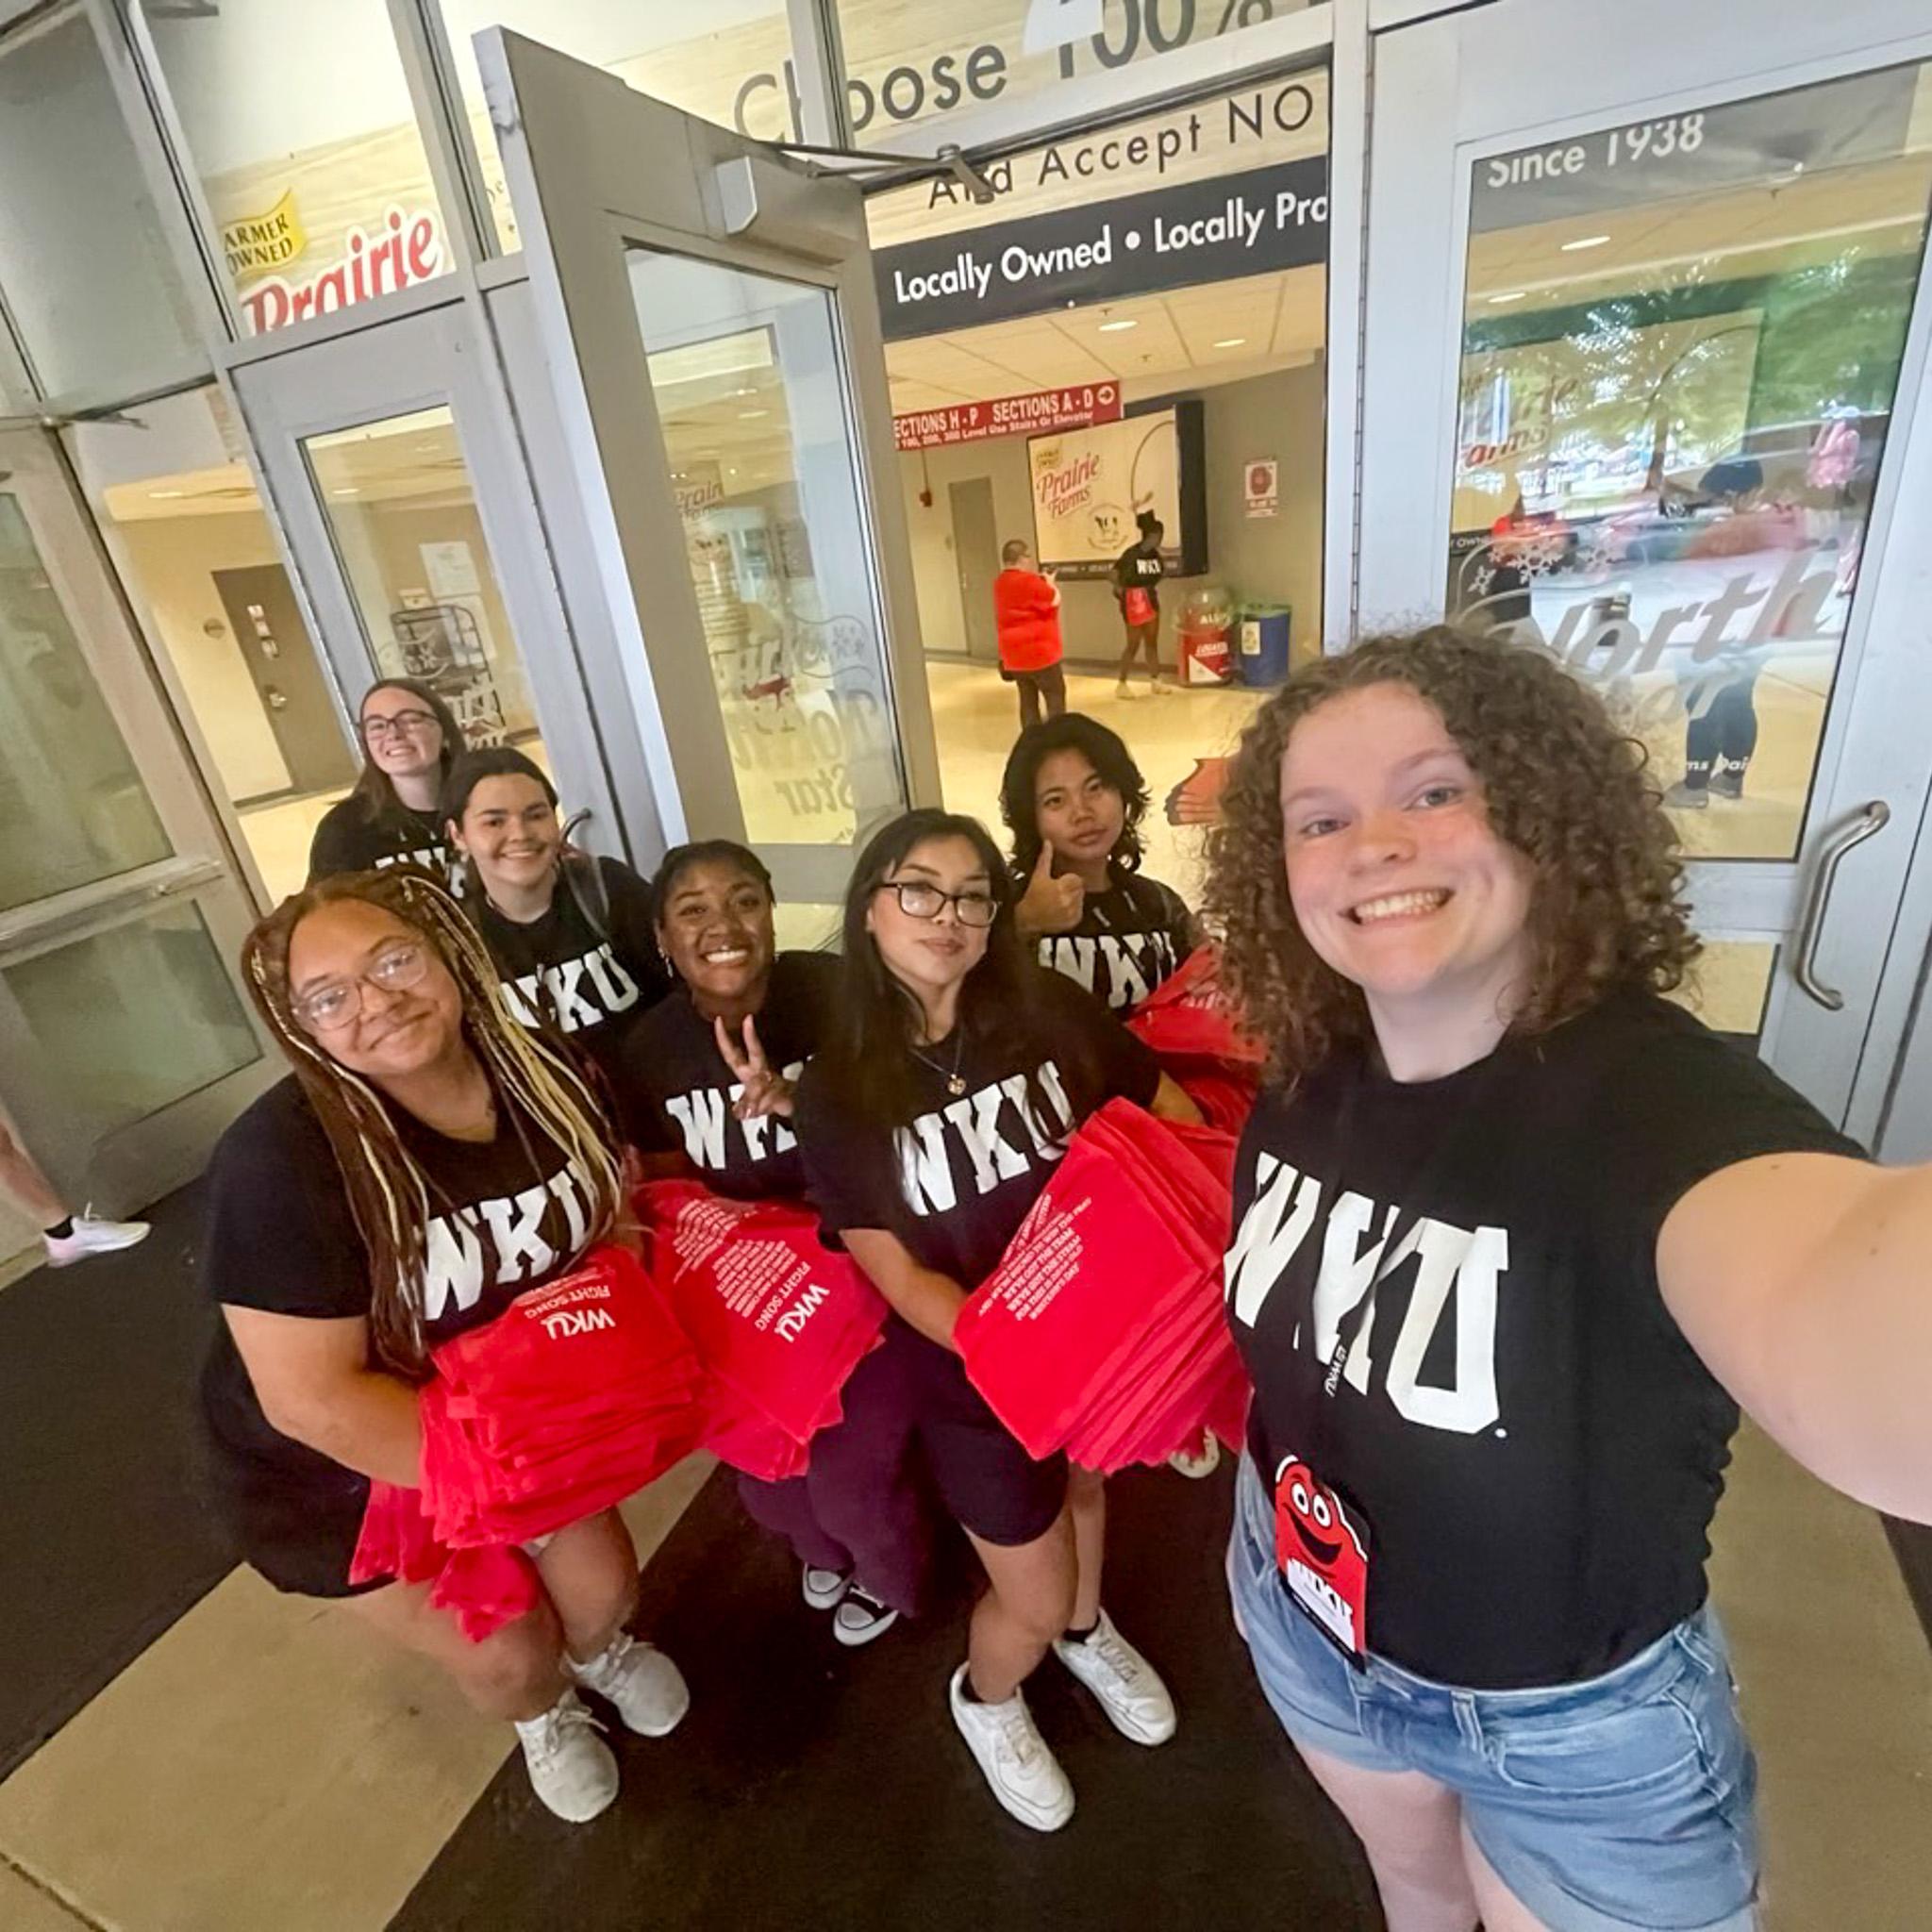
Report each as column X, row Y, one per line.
column 1026, row 611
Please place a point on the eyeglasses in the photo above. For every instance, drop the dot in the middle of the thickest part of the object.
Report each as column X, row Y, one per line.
column 918, row 900
column 330, row 1008
column 410, row 721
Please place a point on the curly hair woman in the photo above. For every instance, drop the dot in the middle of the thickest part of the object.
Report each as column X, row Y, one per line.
column 427, row 1162
column 1515, row 1237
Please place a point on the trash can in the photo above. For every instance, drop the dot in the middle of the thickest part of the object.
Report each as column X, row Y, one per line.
column 1205, row 653
column 1262, row 658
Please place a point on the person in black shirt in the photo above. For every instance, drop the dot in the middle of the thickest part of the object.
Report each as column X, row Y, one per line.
column 1137, row 574
column 572, row 933
column 1514, row 1239
column 426, row 1163
column 930, row 1121
column 1073, row 799
column 409, row 738
column 704, row 1081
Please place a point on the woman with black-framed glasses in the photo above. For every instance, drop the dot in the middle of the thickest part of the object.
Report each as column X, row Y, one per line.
column 409, row 738
column 930, row 1120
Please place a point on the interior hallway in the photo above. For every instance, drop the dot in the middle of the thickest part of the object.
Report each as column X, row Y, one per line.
column 193, row 1752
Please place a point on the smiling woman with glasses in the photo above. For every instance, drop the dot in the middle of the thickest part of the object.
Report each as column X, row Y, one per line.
column 930, row 1121
column 409, row 738
column 427, row 1162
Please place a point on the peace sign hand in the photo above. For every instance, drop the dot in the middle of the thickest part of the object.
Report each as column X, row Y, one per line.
column 766, row 1092
column 1050, row 904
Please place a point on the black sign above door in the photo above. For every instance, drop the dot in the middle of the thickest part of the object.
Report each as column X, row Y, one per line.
column 1211, row 230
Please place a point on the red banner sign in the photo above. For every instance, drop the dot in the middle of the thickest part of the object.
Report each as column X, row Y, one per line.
column 1038, row 414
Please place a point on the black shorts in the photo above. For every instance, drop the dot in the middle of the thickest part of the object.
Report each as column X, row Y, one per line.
column 990, row 1484
column 297, row 1530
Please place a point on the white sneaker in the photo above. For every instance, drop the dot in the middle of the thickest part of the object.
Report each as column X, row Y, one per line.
column 1124, row 690
column 572, row 1769
column 92, row 1237
column 646, row 1687
column 861, row 1617
column 1022, row 1773
column 1162, row 687
column 1203, row 1459
column 824, row 1589
column 1129, row 1688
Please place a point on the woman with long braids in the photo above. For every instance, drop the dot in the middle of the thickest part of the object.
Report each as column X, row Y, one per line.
column 427, row 1162
column 1515, row 1240
column 392, row 817
column 930, row 1121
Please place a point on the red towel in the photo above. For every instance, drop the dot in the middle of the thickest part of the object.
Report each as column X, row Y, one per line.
column 483, row 1589
column 1197, row 1036
column 579, row 1394
column 778, row 1320
column 1101, row 1332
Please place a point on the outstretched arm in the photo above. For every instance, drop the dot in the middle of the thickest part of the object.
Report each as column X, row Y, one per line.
column 1805, row 1283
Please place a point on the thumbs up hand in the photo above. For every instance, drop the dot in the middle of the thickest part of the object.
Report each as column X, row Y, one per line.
column 1049, row 904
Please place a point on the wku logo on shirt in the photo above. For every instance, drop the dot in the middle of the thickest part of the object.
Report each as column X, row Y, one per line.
column 1460, row 1264
column 1134, row 963
column 575, row 994
column 496, row 1242
column 996, row 1127
column 705, row 1115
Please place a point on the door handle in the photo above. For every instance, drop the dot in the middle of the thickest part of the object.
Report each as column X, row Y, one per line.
column 1872, row 820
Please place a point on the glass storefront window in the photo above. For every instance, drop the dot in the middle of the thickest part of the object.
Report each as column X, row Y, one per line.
column 403, row 516
column 1681, row 343
column 745, row 373
column 187, row 533
column 84, row 273
column 909, row 66
column 135, row 1018
column 300, row 126
column 736, row 69
column 73, row 803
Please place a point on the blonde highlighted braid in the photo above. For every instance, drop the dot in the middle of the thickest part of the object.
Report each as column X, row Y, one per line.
column 388, row 1192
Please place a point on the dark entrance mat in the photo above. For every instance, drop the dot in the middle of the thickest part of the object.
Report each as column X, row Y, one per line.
column 105, row 1542
column 812, row 1787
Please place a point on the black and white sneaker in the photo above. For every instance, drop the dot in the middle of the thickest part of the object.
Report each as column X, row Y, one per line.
column 860, row 1617
column 824, row 1590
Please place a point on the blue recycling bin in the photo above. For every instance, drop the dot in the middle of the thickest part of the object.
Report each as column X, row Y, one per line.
column 1261, row 643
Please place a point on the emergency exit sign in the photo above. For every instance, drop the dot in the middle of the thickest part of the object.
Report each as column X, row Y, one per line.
column 1038, row 414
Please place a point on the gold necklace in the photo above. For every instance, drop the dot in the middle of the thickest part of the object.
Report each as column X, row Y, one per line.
column 955, row 1084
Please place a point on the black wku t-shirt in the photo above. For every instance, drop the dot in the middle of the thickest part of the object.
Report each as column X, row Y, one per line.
column 1136, row 567
column 508, row 1216
column 560, row 971
column 1129, row 939
column 348, row 839
column 675, row 1090
column 1536, row 1448
column 958, row 1179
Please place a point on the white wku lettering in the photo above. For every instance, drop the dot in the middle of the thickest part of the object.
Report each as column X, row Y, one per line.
column 452, row 1264
column 701, row 1114
column 520, row 1249
column 925, row 1177
column 1275, row 1224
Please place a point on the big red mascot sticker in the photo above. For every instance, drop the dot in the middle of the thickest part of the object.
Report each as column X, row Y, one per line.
column 1324, row 1554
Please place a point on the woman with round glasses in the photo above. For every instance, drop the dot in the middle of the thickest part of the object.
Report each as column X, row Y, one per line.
column 427, row 1162
column 409, row 736
column 930, row 1120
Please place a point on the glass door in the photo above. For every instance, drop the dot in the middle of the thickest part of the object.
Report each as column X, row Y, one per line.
column 708, row 311
column 392, row 457
column 1674, row 430
column 125, row 1042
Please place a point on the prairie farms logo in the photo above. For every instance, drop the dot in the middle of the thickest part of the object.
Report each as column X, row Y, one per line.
column 1062, row 488
column 405, row 249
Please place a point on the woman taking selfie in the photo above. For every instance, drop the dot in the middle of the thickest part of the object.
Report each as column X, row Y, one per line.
column 930, row 1121
column 409, row 736
column 706, row 1081
column 426, row 1163
column 571, row 934
column 1073, row 799
column 1514, row 1239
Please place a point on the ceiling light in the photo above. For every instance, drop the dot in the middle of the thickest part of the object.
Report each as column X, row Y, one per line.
column 1107, row 328
column 1513, row 295
column 348, row 490
column 1232, row 342
column 747, row 391
column 1583, row 241
column 753, row 415
column 161, row 495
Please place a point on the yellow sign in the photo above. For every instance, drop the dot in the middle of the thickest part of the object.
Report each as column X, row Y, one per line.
column 257, row 244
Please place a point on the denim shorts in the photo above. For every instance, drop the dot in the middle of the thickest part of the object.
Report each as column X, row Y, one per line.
column 1623, row 1802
